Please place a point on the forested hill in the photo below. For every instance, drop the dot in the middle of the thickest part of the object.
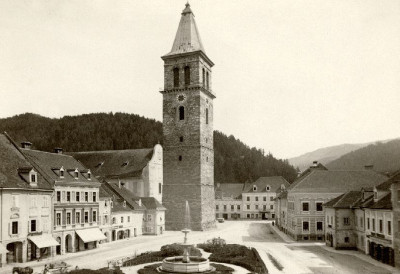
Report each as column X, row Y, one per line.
column 385, row 157
column 235, row 162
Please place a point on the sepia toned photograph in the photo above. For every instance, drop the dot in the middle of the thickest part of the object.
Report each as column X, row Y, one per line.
column 200, row 136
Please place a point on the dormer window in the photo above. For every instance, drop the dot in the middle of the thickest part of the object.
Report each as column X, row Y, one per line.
column 375, row 195
column 282, row 187
column 61, row 172
column 33, row 178
column 76, row 173
column 125, row 163
column 267, row 188
column 124, row 204
column 254, row 188
column 89, row 175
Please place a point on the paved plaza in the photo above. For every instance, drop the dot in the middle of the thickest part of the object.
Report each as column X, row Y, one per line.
column 279, row 252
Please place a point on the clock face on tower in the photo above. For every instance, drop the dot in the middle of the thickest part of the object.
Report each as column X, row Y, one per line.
column 181, row 98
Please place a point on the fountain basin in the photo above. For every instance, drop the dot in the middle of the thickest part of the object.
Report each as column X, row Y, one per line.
column 176, row 264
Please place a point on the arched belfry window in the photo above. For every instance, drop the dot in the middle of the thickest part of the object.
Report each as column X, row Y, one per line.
column 176, row 77
column 204, row 78
column 207, row 81
column 187, row 75
column 181, row 113
column 206, row 116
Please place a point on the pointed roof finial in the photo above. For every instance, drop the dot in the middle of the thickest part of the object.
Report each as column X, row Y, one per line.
column 187, row 8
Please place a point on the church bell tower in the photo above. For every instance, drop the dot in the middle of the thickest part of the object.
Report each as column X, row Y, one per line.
column 188, row 130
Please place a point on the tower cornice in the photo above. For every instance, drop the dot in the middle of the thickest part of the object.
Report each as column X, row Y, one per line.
column 186, row 54
column 197, row 87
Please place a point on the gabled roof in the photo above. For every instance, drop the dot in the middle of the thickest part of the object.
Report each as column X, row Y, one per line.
column 187, row 38
column 124, row 194
column 274, row 182
column 387, row 184
column 152, row 203
column 115, row 163
column 13, row 164
column 346, row 200
column 229, row 191
column 49, row 164
column 384, row 203
column 336, row 181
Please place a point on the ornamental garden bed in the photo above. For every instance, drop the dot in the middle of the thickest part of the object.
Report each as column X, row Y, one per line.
column 219, row 269
column 234, row 254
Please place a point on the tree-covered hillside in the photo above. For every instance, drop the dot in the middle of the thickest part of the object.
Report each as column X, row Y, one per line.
column 235, row 162
column 385, row 157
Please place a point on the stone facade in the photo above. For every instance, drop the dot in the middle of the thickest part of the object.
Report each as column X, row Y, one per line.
column 395, row 189
column 188, row 136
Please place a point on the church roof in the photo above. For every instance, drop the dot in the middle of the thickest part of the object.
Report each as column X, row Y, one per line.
column 187, row 38
column 115, row 163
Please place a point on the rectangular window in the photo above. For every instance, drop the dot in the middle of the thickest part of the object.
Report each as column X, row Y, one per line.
column 346, row 221
column 68, row 196
column 94, row 197
column 159, row 188
column 265, row 207
column 58, row 219
column 264, row 199
column 122, row 220
column 327, row 219
column 224, row 207
column 238, row 207
column 248, row 198
column 271, row 206
column 389, row 227
column 58, row 196
column 380, row 226
column 232, row 207
column 86, row 196
column 94, row 215
column 149, row 217
column 248, row 206
column 271, row 198
column 129, row 219
column 77, row 197
column 318, row 206
column 77, row 217
column 373, row 224
column 33, row 178
column 331, row 220
column 14, row 228
column 306, row 226
column 68, row 218
column 86, row 217
column 346, row 239
column 398, row 195
column 105, row 220
column 256, row 199
column 368, row 223
column 33, row 226
column 217, row 207
column 319, row 226
column 305, row 206
column 361, row 222
column 256, row 206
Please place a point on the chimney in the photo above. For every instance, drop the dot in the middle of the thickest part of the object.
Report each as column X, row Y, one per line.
column 58, row 150
column 26, row 144
column 369, row 167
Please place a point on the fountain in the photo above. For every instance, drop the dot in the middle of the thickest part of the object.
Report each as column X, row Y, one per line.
column 186, row 263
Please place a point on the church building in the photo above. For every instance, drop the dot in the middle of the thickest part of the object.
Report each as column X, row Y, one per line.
column 188, row 130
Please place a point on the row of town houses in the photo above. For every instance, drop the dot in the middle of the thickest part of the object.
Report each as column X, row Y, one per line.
column 347, row 209
column 55, row 203
column 357, row 210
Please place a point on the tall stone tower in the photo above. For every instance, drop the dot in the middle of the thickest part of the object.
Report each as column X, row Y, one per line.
column 188, row 130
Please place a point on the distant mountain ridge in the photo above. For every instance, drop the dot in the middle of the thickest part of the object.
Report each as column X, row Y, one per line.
column 327, row 155
column 234, row 161
column 382, row 156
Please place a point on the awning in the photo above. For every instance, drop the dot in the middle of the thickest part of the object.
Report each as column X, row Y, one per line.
column 3, row 249
column 91, row 235
column 44, row 240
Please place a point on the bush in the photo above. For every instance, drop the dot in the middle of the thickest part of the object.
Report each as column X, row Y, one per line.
column 234, row 254
column 166, row 251
column 219, row 269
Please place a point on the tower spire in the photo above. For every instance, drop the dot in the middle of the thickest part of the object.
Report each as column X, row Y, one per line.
column 187, row 38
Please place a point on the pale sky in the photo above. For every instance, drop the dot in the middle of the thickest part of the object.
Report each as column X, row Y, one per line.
column 290, row 76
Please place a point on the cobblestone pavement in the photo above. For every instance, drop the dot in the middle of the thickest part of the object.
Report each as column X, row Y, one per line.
column 279, row 252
